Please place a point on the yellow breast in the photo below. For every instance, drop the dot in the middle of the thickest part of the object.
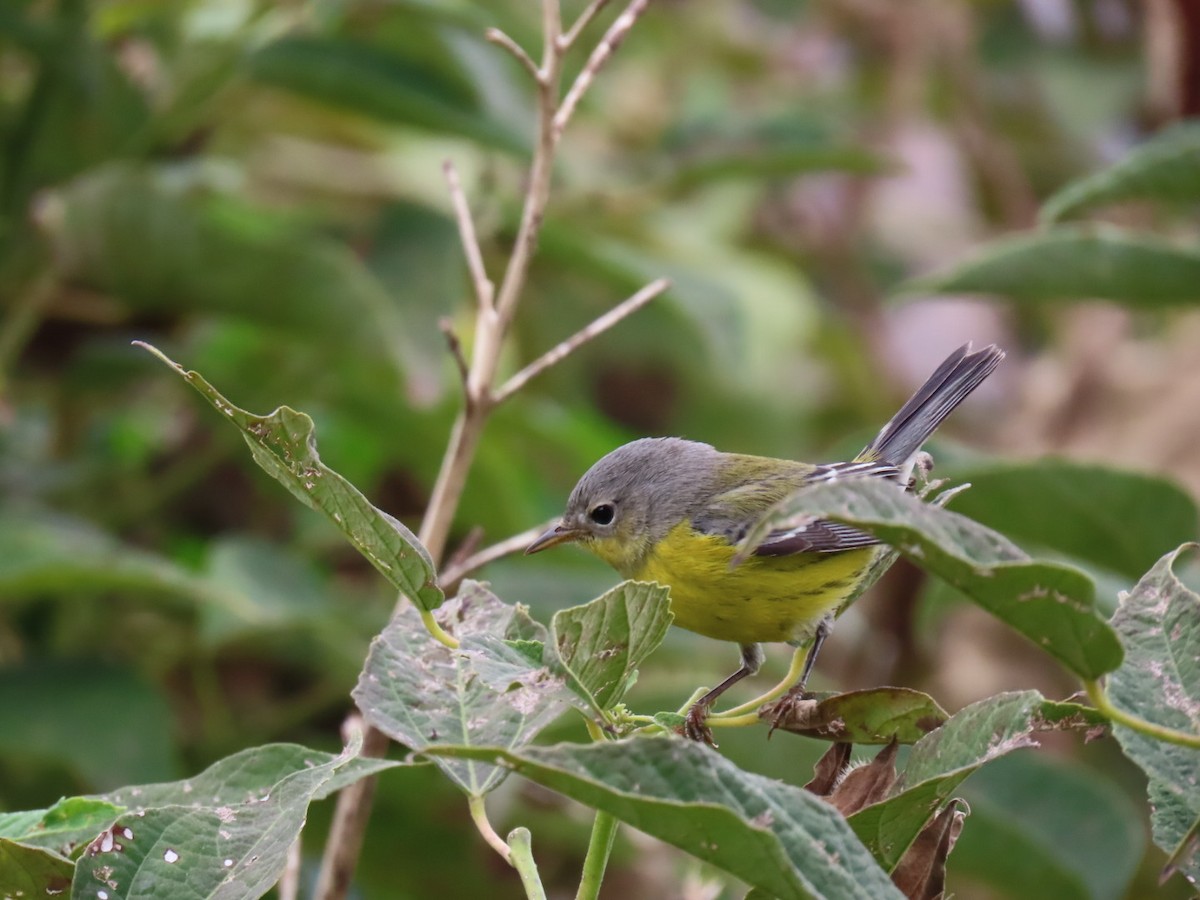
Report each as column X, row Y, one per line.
column 765, row 598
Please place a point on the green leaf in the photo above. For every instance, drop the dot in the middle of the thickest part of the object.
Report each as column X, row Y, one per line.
column 1042, row 829
column 773, row 836
column 351, row 75
column 419, row 692
column 1051, row 604
column 61, row 827
column 939, row 763
column 170, row 238
column 1071, row 263
column 1165, row 169
column 1121, row 521
column 874, row 716
column 284, row 445
column 779, row 161
column 32, row 871
column 1159, row 624
column 600, row 644
column 45, row 707
column 225, row 833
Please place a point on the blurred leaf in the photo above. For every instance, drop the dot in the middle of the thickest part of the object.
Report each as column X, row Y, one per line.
column 45, row 707
column 1159, row 624
column 264, row 587
column 1076, row 263
column 600, row 644
column 284, row 445
column 1123, row 521
column 43, row 552
column 225, row 833
column 773, row 836
column 1043, row 829
column 939, row 763
column 421, row 693
column 774, row 161
column 351, row 75
column 874, row 716
column 166, row 239
column 67, row 823
column 1165, row 168
column 1051, row 604
column 32, row 871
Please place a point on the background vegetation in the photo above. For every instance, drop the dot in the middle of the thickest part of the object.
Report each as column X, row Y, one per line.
column 257, row 189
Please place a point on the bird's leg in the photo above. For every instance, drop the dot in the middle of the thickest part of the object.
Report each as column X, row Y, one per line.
column 694, row 727
column 782, row 708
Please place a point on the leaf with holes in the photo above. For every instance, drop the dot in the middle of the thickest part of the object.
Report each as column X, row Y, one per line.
column 1159, row 623
column 284, row 445
column 487, row 692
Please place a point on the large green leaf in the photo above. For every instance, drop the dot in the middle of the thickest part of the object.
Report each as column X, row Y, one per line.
column 1165, row 168
column 941, row 760
column 355, row 76
column 284, row 445
column 1122, row 521
column 1159, row 624
column 1042, row 829
column 62, row 827
column 1051, row 604
column 771, row 835
column 872, row 716
column 490, row 691
column 27, row 871
column 225, row 833
column 167, row 239
column 1076, row 263
column 45, row 707
column 600, row 644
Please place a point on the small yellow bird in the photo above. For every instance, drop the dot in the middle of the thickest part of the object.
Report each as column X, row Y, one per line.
column 674, row 511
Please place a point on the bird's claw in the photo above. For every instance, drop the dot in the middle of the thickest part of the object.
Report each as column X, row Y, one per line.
column 694, row 727
column 788, row 709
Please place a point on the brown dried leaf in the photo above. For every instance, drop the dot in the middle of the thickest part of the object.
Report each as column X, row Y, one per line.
column 829, row 769
column 868, row 783
column 921, row 872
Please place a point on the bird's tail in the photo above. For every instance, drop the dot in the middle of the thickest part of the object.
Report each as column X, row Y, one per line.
column 962, row 372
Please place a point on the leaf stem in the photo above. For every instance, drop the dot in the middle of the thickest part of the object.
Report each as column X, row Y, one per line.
column 1099, row 697
column 521, row 856
column 604, row 832
column 479, row 817
column 437, row 632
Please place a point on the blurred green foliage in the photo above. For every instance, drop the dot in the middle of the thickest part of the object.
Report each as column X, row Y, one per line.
column 256, row 188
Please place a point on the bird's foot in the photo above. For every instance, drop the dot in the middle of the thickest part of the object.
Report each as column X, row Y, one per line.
column 789, row 710
column 694, row 726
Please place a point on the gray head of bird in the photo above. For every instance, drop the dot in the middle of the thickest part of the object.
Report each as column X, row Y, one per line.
column 628, row 501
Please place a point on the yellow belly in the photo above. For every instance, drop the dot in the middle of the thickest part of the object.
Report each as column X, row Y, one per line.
column 765, row 598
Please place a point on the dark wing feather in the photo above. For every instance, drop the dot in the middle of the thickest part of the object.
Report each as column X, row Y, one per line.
column 732, row 513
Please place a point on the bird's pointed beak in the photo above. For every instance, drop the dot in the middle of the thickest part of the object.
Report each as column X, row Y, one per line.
column 552, row 537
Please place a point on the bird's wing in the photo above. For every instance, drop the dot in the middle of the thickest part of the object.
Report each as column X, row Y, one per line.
column 732, row 513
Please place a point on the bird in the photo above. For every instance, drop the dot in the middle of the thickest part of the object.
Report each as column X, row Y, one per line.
column 674, row 511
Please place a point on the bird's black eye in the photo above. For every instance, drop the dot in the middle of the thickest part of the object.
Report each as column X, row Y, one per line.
column 602, row 514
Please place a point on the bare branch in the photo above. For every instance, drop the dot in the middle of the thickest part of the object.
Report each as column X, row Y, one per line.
column 484, row 291
column 557, row 354
column 456, row 350
column 500, row 39
column 604, row 50
column 458, row 570
column 289, row 882
column 585, row 19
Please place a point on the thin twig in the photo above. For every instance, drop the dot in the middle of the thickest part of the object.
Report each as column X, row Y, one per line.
column 500, row 39
column 585, row 19
column 578, row 339
column 1100, row 699
column 484, row 290
column 456, row 350
column 602, row 54
column 455, row 571
column 289, row 882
